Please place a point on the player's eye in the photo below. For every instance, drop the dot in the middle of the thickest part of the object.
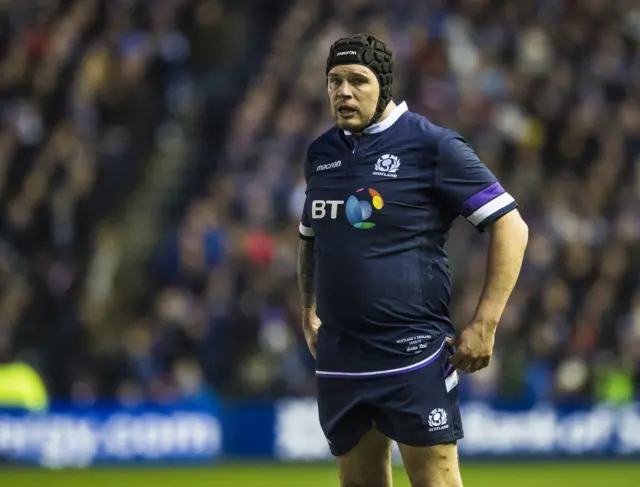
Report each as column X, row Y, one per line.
column 359, row 81
column 334, row 82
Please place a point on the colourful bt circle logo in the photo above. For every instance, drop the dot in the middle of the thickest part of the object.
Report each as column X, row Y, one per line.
column 359, row 211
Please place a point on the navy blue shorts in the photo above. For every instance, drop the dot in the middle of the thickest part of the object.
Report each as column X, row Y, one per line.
column 416, row 408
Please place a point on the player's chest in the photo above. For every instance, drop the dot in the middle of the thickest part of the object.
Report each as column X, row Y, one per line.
column 395, row 172
column 366, row 188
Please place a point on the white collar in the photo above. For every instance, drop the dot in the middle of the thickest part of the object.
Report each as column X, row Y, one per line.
column 387, row 122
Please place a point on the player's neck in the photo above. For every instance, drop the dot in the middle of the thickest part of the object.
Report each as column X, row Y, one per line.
column 387, row 111
column 391, row 106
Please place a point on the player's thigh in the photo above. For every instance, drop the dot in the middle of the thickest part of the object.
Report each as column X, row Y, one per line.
column 432, row 466
column 344, row 415
column 368, row 464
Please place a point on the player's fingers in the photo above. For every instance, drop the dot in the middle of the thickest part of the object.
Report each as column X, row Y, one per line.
column 461, row 361
column 317, row 323
column 450, row 340
column 455, row 359
column 484, row 363
column 471, row 368
column 312, row 344
column 475, row 366
column 480, row 363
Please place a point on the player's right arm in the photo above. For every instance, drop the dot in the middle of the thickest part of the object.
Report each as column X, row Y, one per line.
column 306, row 282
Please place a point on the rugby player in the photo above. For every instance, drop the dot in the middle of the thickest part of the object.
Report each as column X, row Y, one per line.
column 383, row 188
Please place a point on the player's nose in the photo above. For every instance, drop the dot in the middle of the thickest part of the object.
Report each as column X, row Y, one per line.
column 344, row 91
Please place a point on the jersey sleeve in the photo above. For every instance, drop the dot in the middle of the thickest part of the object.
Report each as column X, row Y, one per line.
column 305, row 230
column 468, row 186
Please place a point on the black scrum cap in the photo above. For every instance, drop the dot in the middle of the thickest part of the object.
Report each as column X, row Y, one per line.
column 371, row 52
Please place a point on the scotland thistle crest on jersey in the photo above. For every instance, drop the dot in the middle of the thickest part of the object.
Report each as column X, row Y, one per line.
column 387, row 165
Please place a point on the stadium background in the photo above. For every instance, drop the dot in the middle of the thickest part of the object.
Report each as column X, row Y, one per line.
column 151, row 183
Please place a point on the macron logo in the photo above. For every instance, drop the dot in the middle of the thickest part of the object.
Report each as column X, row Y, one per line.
column 344, row 53
column 333, row 165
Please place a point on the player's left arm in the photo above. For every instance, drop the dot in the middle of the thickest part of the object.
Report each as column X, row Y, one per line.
column 507, row 243
column 469, row 187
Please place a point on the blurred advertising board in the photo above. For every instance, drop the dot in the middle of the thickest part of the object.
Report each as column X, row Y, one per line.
column 289, row 431
column 542, row 430
column 78, row 438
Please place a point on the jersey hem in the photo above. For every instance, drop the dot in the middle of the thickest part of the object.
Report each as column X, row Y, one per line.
column 383, row 373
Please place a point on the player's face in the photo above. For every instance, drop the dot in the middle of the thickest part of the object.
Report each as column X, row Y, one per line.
column 353, row 93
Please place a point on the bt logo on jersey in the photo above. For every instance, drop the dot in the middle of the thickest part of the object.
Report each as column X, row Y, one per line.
column 319, row 208
column 358, row 210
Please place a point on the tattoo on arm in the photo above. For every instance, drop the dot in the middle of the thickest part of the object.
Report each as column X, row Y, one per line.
column 306, row 273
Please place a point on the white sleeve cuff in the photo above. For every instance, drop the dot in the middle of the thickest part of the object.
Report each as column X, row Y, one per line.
column 494, row 206
column 306, row 231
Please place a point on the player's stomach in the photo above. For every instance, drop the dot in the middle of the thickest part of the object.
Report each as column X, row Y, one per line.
column 372, row 297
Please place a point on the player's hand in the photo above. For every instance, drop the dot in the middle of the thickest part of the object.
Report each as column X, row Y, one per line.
column 310, row 325
column 474, row 347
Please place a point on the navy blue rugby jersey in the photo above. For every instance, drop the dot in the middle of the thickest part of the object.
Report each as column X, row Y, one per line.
column 379, row 208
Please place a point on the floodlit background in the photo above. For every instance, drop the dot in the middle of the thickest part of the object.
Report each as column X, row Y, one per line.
column 151, row 156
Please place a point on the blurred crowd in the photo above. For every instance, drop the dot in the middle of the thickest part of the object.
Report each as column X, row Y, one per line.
column 86, row 88
column 547, row 92
column 64, row 145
